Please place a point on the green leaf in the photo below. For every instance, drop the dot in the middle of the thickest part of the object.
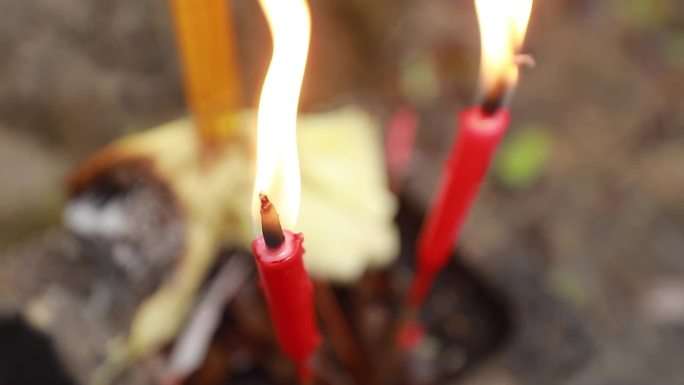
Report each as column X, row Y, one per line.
column 523, row 156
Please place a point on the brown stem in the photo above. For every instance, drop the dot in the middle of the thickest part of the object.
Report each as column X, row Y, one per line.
column 205, row 39
column 342, row 338
column 326, row 372
column 407, row 314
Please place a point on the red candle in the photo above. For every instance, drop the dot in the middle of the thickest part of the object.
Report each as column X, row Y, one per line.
column 278, row 253
column 477, row 139
column 502, row 28
column 287, row 288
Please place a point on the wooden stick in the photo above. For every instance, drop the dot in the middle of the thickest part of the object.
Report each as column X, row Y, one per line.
column 327, row 372
column 394, row 352
column 343, row 340
column 207, row 47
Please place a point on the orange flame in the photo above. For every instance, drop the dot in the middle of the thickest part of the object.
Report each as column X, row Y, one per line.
column 277, row 161
column 503, row 24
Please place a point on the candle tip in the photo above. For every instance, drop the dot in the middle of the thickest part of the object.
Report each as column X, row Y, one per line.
column 265, row 203
column 495, row 98
column 270, row 223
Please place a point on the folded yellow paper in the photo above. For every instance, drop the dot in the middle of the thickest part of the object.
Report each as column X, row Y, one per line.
column 346, row 216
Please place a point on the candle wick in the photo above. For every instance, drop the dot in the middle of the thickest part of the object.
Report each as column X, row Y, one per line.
column 270, row 223
column 494, row 98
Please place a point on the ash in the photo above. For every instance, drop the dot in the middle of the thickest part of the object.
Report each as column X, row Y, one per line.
column 130, row 223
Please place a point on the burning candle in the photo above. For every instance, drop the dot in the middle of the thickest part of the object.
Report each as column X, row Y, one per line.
column 502, row 29
column 278, row 253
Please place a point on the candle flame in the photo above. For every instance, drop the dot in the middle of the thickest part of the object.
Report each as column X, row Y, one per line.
column 278, row 172
column 503, row 24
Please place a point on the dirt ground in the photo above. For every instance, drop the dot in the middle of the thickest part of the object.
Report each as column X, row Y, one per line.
column 588, row 252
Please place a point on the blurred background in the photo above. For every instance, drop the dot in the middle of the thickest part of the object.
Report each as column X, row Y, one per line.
column 580, row 225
